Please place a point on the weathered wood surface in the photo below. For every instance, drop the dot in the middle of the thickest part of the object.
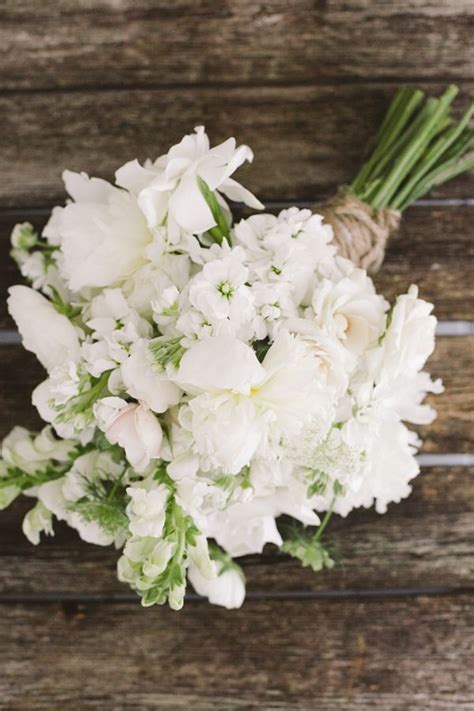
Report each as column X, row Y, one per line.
column 87, row 85
column 434, row 250
column 307, row 139
column 453, row 361
column 425, row 542
column 414, row 655
column 145, row 42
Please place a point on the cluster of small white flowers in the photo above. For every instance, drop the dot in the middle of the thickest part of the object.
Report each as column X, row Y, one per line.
column 205, row 377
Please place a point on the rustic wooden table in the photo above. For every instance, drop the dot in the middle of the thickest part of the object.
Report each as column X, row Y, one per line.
column 87, row 85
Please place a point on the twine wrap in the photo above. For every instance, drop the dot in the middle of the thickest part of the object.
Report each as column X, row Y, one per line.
column 360, row 232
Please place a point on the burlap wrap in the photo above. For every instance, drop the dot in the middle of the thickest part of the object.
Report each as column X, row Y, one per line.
column 360, row 233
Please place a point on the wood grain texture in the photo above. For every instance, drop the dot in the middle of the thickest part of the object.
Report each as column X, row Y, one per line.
column 307, row 140
column 414, row 655
column 434, row 250
column 426, row 541
column 453, row 361
column 84, row 43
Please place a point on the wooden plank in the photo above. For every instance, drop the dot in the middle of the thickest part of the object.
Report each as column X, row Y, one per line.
column 389, row 655
column 452, row 361
column 129, row 42
column 307, row 140
column 427, row 541
column 434, row 250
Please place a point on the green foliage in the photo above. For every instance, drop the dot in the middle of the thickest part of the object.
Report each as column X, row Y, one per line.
column 104, row 503
column 222, row 229
column 224, row 560
column 166, row 351
column 307, row 547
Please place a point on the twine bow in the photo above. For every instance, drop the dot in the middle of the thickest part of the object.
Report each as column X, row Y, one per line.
column 360, row 232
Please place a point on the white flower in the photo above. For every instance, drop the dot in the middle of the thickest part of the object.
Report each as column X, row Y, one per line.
column 227, row 589
column 409, row 340
column 147, row 508
column 145, row 382
column 285, row 249
column 133, row 427
column 31, row 453
column 348, row 308
column 241, row 405
column 58, row 495
column 37, row 521
column 220, row 294
column 169, row 189
column 45, row 332
column 103, row 233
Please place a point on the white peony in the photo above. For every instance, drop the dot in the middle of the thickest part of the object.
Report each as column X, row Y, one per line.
column 103, row 233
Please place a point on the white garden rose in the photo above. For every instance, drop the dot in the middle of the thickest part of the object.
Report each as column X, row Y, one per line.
column 45, row 332
column 348, row 308
column 103, row 233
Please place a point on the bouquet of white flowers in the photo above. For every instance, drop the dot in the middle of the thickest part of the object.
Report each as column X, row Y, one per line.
column 205, row 377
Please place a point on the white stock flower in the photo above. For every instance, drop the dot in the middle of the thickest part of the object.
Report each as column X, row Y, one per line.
column 285, row 249
column 169, row 188
column 133, row 427
column 45, row 332
column 220, row 294
column 103, row 233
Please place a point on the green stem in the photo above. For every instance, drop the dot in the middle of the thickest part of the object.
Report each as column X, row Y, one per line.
column 325, row 521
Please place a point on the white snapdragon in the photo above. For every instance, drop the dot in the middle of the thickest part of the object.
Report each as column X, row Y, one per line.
column 147, row 508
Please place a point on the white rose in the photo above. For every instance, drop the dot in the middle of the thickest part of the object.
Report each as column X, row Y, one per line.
column 144, row 382
column 45, row 332
column 348, row 308
column 133, row 427
column 103, row 233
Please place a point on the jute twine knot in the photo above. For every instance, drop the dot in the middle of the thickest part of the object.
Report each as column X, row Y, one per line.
column 360, row 232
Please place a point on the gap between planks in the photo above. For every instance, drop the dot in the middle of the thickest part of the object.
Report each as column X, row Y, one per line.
column 226, row 85
column 349, row 594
